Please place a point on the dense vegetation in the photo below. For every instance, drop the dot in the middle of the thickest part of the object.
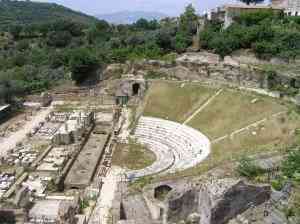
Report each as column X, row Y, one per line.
column 35, row 56
column 40, row 45
column 267, row 33
column 26, row 12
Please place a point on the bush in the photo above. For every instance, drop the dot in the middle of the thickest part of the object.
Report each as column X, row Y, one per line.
column 291, row 166
column 253, row 18
column 247, row 168
column 267, row 33
column 81, row 63
column 59, row 39
column 277, row 184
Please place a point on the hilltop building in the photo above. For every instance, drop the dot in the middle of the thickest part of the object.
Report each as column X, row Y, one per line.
column 291, row 7
column 228, row 12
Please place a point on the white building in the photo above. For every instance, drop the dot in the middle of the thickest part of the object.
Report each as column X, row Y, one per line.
column 292, row 7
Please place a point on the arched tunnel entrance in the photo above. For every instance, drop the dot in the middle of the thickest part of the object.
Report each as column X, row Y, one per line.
column 135, row 89
column 161, row 192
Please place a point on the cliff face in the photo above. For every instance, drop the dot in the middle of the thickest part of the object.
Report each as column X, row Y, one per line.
column 216, row 203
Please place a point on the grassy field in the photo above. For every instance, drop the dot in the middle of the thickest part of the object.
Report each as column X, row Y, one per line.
column 175, row 101
column 133, row 156
column 228, row 112
column 233, row 110
column 273, row 136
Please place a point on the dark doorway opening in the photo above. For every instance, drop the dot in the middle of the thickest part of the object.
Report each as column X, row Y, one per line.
column 135, row 89
column 293, row 83
column 161, row 192
column 74, row 188
column 122, row 212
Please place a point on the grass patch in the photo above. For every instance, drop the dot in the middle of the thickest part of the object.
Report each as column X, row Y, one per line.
column 175, row 101
column 233, row 110
column 133, row 156
column 275, row 136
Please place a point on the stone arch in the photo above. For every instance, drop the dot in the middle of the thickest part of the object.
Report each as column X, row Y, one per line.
column 161, row 191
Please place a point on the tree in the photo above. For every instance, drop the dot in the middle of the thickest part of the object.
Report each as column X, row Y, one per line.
column 188, row 21
column 59, row 38
column 248, row 2
column 182, row 42
column 81, row 63
column 164, row 38
column 142, row 24
column 101, row 31
column 15, row 31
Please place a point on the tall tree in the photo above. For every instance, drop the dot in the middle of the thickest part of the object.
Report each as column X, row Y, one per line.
column 188, row 21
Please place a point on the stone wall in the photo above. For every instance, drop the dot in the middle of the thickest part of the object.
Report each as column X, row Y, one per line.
column 203, row 66
column 215, row 203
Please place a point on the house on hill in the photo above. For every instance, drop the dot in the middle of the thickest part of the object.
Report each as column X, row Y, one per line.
column 227, row 13
column 291, row 7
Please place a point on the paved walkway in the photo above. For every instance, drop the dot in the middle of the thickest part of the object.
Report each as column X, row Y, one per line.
column 125, row 132
column 203, row 106
column 102, row 211
column 14, row 138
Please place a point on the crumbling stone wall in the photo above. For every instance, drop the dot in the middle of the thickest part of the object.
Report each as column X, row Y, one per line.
column 206, row 67
column 215, row 209
column 238, row 199
column 181, row 205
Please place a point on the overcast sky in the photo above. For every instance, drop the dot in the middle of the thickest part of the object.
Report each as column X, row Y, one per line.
column 170, row 7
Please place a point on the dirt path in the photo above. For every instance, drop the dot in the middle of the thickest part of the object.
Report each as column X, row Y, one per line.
column 18, row 136
column 203, row 106
column 102, row 211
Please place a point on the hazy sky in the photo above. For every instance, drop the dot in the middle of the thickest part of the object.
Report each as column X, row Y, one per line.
column 170, row 7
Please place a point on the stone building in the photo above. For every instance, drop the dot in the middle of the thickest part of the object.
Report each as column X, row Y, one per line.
column 228, row 12
column 73, row 129
column 53, row 211
column 291, row 7
column 130, row 86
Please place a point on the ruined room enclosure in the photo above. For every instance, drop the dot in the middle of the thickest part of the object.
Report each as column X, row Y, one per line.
column 206, row 201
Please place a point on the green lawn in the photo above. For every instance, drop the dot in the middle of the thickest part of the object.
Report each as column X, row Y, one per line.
column 233, row 110
column 228, row 112
column 133, row 156
column 175, row 101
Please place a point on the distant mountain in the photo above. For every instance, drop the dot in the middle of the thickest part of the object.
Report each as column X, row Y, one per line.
column 27, row 12
column 127, row 17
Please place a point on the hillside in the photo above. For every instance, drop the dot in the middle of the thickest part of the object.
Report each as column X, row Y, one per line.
column 127, row 17
column 20, row 12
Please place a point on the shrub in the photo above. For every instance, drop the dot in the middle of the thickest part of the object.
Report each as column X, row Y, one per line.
column 277, row 184
column 291, row 166
column 247, row 168
column 81, row 62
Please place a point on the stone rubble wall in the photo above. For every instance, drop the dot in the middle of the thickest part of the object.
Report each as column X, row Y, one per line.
column 216, row 209
column 205, row 67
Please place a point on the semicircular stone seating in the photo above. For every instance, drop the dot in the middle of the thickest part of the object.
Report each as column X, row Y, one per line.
column 176, row 146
